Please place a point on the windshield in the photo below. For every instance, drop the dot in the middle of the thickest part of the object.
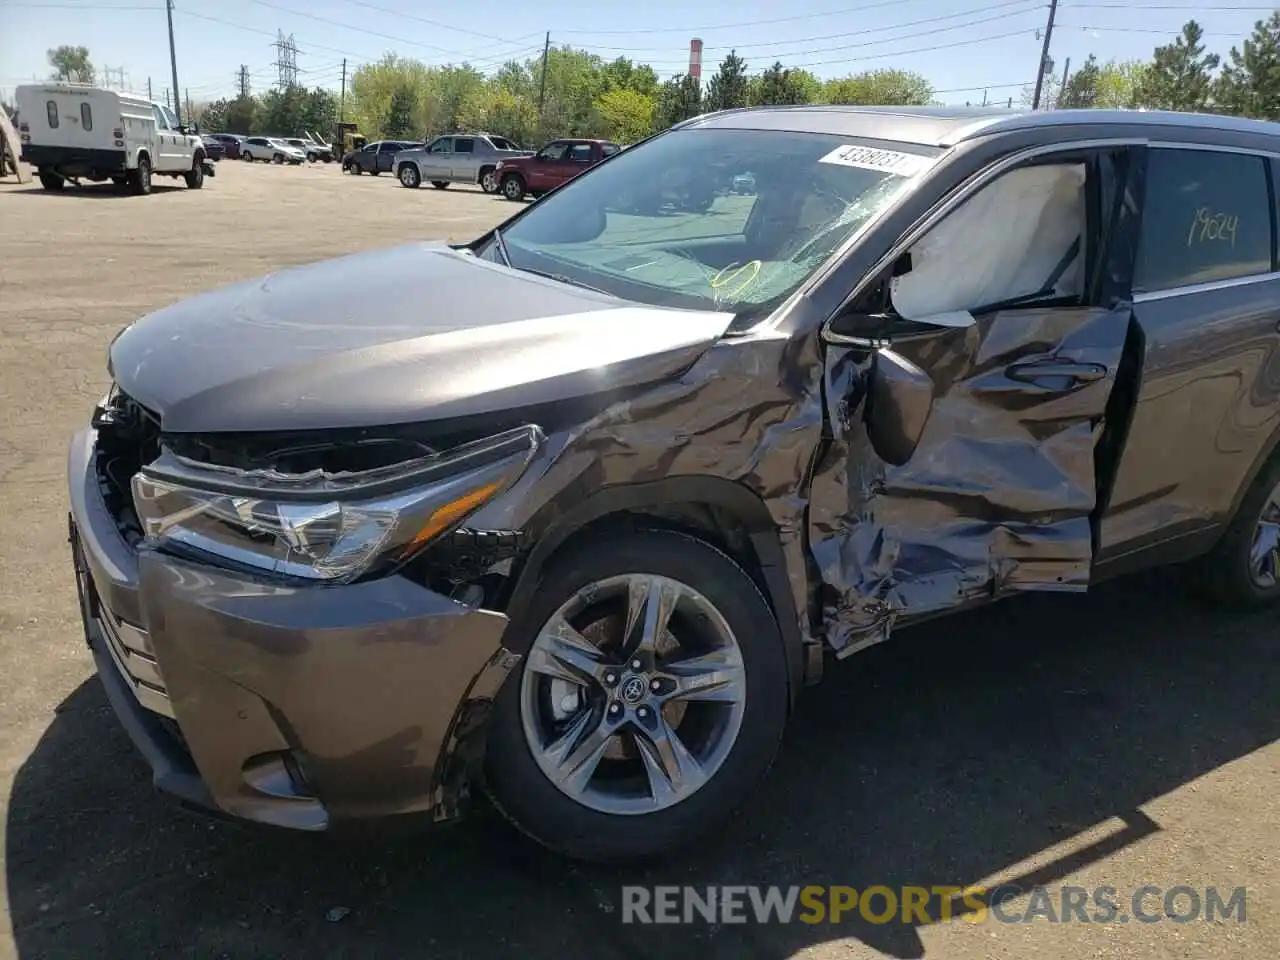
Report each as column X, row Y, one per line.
column 731, row 220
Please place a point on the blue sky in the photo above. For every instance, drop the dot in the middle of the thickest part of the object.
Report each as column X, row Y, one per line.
column 962, row 46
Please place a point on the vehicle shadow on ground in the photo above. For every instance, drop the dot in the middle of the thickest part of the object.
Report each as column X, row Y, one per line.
column 956, row 751
column 96, row 191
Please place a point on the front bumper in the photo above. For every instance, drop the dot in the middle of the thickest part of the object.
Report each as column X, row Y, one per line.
column 294, row 706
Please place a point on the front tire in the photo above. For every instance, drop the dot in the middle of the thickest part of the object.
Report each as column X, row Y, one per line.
column 356, row 169
column 409, row 176
column 312, row 158
column 603, row 760
column 489, row 180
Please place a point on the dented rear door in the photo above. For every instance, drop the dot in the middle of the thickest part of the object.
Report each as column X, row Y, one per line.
column 1002, row 493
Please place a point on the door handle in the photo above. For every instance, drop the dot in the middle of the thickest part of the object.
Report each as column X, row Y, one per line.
column 1037, row 370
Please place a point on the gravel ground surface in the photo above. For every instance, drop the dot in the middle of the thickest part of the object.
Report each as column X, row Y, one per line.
column 1120, row 739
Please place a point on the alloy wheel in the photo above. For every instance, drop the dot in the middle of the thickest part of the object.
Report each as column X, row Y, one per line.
column 1264, row 552
column 633, row 694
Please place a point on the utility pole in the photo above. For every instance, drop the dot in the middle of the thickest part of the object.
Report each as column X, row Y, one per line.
column 149, row 97
column 190, row 112
column 342, row 99
column 242, row 81
column 341, row 138
column 984, row 98
column 542, row 87
column 1066, row 72
column 173, row 61
column 1044, row 54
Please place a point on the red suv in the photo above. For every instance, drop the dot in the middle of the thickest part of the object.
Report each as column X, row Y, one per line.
column 556, row 163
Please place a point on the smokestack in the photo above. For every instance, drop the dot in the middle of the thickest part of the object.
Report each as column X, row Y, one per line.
column 695, row 59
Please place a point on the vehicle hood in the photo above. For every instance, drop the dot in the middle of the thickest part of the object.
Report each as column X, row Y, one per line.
column 400, row 335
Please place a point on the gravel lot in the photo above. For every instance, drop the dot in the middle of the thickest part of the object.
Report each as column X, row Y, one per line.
column 1124, row 738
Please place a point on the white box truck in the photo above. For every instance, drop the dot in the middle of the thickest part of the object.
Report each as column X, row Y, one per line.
column 73, row 131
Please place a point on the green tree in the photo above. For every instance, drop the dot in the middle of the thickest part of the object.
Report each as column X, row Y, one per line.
column 71, row 63
column 1119, row 82
column 1081, row 90
column 1250, row 81
column 678, row 99
column 885, row 87
column 398, row 124
column 779, row 86
column 212, row 117
column 242, row 116
column 1181, row 73
column 627, row 116
column 623, row 74
column 496, row 109
column 731, row 85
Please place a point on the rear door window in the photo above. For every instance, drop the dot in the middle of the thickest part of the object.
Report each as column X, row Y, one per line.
column 86, row 116
column 580, row 153
column 464, row 144
column 51, row 109
column 1207, row 217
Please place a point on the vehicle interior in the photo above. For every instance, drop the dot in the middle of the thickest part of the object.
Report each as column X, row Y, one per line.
column 666, row 224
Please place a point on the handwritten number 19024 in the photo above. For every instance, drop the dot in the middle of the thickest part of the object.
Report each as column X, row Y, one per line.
column 1209, row 226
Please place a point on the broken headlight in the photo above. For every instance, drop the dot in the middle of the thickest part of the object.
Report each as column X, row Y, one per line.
column 330, row 527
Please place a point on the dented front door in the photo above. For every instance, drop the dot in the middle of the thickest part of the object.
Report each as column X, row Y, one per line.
column 1000, row 494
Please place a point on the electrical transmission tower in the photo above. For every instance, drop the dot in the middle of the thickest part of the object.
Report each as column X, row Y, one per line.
column 113, row 78
column 242, row 81
column 286, row 60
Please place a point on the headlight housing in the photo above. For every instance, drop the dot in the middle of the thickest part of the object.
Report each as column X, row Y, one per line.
column 329, row 527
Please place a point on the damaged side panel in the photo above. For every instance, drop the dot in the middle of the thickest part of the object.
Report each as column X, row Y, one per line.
column 999, row 493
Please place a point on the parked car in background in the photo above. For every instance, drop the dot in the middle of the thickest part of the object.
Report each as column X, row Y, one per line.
column 556, row 163
column 744, row 184
column 311, row 150
column 270, row 149
column 230, row 143
column 75, row 131
column 473, row 158
column 377, row 157
column 212, row 148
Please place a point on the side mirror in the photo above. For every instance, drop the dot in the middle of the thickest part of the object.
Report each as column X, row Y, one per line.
column 899, row 402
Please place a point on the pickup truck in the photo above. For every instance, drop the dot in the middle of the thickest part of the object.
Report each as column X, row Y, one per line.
column 454, row 158
column 556, row 163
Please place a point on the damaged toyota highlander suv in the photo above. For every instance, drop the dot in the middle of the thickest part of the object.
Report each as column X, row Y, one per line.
column 572, row 513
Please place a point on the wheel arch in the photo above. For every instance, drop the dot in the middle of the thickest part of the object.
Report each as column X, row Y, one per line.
column 138, row 156
column 724, row 514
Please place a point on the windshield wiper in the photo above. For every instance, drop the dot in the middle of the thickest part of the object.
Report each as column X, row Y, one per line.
column 502, row 245
column 563, row 279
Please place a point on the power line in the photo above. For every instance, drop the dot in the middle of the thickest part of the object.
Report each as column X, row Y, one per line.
column 354, row 29
column 750, row 23
column 437, row 23
column 1214, row 8
column 985, row 8
column 919, row 33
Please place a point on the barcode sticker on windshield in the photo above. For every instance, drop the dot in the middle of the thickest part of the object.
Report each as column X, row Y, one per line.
column 869, row 158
